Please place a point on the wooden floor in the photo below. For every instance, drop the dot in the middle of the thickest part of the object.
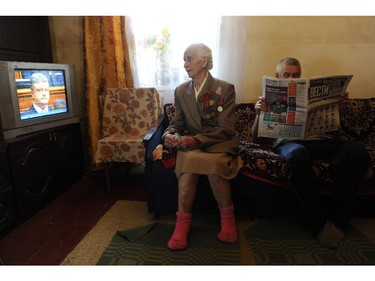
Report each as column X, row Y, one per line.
column 54, row 231
column 49, row 235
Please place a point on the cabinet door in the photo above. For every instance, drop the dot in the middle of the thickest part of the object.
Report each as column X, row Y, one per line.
column 67, row 154
column 5, row 181
column 8, row 213
column 45, row 164
column 32, row 174
column 25, row 38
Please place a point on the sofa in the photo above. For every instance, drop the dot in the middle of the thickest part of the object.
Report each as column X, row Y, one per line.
column 260, row 188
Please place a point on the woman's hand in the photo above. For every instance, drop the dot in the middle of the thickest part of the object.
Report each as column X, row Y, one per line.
column 170, row 140
column 187, row 143
column 180, row 142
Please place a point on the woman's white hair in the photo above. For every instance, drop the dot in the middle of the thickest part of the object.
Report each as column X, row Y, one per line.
column 203, row 51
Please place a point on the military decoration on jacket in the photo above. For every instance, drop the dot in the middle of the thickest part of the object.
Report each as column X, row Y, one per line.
column 212, row 104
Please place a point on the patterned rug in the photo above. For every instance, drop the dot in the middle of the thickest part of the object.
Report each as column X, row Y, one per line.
column 147, row 246
column 278, row 241
column 282, row 241
column 128, row 234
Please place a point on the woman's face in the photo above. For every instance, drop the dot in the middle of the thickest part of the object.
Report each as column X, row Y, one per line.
column 194, row 65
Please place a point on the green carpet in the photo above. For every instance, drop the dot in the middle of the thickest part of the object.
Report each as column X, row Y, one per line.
column 147, row 245
column 282, row 241
column 271, row 241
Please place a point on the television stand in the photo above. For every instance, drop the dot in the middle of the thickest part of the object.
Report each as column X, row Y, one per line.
column 43, row 165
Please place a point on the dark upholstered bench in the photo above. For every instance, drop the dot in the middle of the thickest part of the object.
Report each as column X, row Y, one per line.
column 262, row 183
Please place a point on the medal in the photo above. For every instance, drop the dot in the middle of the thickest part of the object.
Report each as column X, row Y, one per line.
column 212, row 104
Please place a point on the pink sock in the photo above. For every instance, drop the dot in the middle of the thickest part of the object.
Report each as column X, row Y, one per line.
column 228, row 232
column 178, row 240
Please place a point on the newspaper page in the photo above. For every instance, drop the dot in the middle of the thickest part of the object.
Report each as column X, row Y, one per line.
column 301, row 108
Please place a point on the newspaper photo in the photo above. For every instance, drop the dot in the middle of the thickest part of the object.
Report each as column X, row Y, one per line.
column 301, row 108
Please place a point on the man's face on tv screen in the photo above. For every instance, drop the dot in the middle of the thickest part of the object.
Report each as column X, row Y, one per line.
column 41, row 94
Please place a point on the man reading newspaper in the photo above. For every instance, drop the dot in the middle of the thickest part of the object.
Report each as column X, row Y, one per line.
column 301, row 108
column 349, row 160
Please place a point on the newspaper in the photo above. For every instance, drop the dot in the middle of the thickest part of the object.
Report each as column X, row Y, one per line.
column 301, row 108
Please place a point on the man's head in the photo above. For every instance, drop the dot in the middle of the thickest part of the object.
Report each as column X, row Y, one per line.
column 39, row 89
column 198, row 59
column 288, row 68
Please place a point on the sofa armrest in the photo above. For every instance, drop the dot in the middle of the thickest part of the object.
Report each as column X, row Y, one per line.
column 153, row 138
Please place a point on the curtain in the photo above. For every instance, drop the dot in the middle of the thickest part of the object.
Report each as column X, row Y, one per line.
column 232, row 54
column 107, row 65
column 151, row 39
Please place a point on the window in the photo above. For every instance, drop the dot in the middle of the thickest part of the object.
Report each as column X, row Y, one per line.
column 157, row 45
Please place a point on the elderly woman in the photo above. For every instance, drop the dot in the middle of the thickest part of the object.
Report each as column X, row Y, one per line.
column 204, row 135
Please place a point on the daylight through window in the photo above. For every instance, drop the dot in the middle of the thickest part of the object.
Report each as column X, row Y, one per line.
column 157, row 45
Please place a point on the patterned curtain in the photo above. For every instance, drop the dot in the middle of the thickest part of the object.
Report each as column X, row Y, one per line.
column 107, row 64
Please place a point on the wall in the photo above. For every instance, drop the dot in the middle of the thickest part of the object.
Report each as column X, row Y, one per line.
column 67, row 47
column 324, row 45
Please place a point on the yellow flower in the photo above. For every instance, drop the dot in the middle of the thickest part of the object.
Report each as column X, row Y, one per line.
column 165, row 31
column 161, row 42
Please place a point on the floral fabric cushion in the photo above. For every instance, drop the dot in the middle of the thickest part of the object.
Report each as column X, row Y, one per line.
column 262, row 163
column 358, row 124
column 128, row 114
column 169, row 155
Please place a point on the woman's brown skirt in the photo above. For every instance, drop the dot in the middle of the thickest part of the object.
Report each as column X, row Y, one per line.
column 201, row 162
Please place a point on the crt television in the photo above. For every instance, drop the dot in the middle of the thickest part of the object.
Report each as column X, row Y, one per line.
column 18, row 117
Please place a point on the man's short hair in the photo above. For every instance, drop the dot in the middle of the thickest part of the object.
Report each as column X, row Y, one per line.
column 37, row 78
column 287, row 61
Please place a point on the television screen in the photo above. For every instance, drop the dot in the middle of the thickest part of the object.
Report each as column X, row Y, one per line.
column 38, row 96
column 40, row 92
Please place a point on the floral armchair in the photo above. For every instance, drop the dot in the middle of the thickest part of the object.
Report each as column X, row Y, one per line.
column 128, row 114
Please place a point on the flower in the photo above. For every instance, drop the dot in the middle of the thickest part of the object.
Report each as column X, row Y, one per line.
column 161, row 42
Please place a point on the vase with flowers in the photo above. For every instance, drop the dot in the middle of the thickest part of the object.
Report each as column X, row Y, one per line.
column 160, row 43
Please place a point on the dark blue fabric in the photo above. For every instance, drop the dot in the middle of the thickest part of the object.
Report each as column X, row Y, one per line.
column 349, row 162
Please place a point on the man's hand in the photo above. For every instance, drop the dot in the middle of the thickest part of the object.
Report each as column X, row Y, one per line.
column 344, row 97
column 260, row 105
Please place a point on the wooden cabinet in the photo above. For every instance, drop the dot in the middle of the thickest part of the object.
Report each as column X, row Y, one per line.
column 8, row 213
column 43, row 165
column 25, row 38
column 37, row 167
